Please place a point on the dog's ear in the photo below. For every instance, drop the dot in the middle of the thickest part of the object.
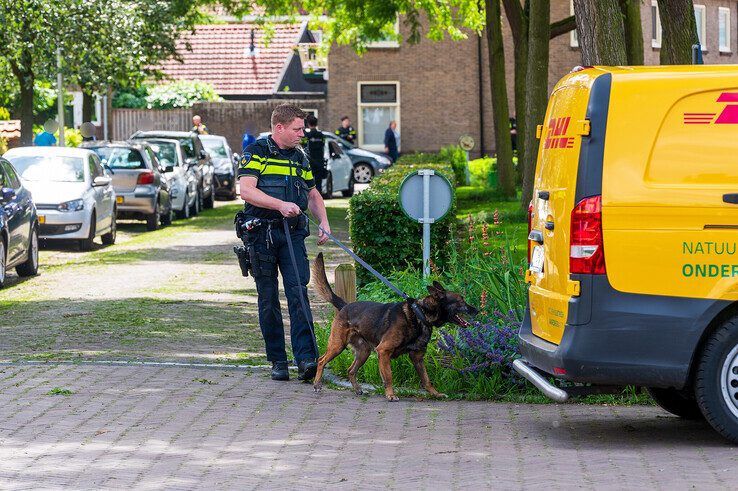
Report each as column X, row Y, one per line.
column 439, row 286
column 433, row 290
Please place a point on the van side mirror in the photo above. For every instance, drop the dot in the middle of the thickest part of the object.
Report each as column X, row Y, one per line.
column 8, row 195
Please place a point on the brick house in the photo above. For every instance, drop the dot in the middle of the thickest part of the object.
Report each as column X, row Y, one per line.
column 439, row 91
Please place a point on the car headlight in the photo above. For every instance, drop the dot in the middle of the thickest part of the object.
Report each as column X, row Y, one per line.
column 74, row 205
column 383, row 160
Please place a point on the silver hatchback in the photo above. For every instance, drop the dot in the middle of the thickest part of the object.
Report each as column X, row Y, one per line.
column 142, row 190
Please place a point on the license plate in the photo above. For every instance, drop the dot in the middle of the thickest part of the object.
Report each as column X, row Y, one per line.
column 41, row 219
column 536, row 259
column 119, row 199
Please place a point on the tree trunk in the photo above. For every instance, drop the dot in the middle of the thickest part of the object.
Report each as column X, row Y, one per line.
column 537, row 83
column 679, row 31
column 633, row 31
column 25, row 82
column 88, row 106
column 500, row 109
column 518, row 20
column 601, row 32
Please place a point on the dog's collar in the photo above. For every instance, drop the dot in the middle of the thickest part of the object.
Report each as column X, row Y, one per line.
column 418, row 311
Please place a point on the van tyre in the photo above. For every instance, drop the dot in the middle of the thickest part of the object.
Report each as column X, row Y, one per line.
column 716, row 380
column 30, row 267
column 86, row 244
column 109, row 238
column 677, row 402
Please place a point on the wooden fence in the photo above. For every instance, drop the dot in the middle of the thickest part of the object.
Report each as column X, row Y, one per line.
column 125, row 122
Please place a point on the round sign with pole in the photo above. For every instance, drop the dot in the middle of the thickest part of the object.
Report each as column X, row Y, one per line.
column 426, row 198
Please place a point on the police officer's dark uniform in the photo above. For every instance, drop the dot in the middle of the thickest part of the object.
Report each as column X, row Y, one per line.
column 284, row 174
column 314, row 142
column 348, row 134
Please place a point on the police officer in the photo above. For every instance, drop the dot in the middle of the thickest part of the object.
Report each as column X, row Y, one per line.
column 346, row 131
column 314, row 142
column 277, row 185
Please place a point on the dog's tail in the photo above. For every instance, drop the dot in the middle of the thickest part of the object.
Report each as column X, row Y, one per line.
column 322, row 286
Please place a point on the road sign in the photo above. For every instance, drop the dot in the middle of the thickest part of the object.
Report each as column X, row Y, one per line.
column 426, row 197
column 467, row 143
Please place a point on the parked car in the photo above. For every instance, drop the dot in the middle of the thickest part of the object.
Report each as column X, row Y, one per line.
column 340, row 170
column 141, row 188
column 18, row 225
column 74, row 196
column 224, row 164
column 182, row 177
column 366, row 164
column 194, row 152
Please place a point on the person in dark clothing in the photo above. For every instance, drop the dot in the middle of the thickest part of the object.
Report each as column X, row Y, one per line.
column 346, row 131
column 391, row 141
column 277, row 185
column 514, row 134
column 314, row 143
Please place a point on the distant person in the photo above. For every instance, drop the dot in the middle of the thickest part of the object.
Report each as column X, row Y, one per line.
column 46, row 138
column 392, row 141
column 87, row 130
column 247, row 140
column 198, row 126
column 346, row 131
column 314, row 143
column 514, row 133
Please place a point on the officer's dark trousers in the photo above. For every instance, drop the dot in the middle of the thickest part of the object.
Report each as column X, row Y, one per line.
column 295, row 284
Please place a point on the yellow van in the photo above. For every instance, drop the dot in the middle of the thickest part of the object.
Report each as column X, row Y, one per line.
column 633, row 276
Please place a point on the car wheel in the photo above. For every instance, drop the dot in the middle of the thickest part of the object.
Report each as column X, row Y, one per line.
column 328, row 186
column 677, row 402
column 185, row 211
column 152, row 221
column 86, row 244
column 109, row 238
column 30, row 267
column 363, row 173
column 166, row 218
column 716, row 380
column 347, row 193
column 197, row 205
column 3, row 262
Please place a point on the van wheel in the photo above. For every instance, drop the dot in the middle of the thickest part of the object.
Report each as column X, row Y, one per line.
column 677, row 402
column 716, row 380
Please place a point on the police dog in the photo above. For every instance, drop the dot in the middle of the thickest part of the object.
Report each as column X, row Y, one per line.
column 391, row 329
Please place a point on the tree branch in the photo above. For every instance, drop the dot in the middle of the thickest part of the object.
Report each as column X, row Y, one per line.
column 515, row 14
column 563, row 26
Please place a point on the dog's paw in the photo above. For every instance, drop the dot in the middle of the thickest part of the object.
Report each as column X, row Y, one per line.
column 318, row 387
column 392, row 398
column 359, row 392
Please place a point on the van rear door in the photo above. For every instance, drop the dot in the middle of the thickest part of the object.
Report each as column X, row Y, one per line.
column 555, row 189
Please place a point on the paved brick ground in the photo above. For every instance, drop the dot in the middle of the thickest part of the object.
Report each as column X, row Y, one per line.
column 148, row 427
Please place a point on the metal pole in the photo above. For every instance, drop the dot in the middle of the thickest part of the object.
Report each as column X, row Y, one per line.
column 60, row 95
column 426, row 222
column 105, row 116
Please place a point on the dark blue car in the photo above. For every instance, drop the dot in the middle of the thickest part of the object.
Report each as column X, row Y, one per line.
column 18, row 225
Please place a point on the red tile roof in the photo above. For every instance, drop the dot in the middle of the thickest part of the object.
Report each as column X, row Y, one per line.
column 218, row 56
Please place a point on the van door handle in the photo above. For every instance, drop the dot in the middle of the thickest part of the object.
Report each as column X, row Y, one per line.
column 544, row 195
column 535, row 236
column 731, row 198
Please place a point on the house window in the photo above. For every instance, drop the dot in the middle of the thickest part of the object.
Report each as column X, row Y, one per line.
column 379, row 103
column 724, row 29
column 314, row 112
column 388, row 41
column 699, row 16
column 573, row 35
column 655, row 25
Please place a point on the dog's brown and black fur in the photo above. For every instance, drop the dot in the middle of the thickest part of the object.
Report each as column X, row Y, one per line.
column 391, row 329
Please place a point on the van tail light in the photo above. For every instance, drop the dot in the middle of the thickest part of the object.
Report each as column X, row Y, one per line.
column 146, row 177
column 587, row 255
column 530, row 227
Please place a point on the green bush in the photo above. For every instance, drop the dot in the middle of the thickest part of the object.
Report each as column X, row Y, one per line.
column 4, row 114
column 451, row 155
column 131, row 98
column 384, row 236
column 180, row 94
column 480, row 170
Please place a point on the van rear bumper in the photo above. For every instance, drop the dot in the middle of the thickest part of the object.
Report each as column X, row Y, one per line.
column 630, row 339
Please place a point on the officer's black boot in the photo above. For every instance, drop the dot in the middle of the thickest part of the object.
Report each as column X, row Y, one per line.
column 306, row 370
column 280, row 371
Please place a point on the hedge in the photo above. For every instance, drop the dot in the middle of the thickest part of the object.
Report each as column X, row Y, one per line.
column 384, row 236
column 451, row 155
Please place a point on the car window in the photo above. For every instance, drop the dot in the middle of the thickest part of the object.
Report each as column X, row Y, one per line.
column 188, row 147
column 4, row 181
column 98, row 166
column 12, row 180
column 215, row 147
column 49, row 168
column 335, row 148
column 92, row 168
column 166, row 153
column 152, row 158
column 120, row 157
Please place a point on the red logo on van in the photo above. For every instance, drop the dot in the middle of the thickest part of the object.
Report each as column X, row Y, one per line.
column 556, row 134
column 728, row 116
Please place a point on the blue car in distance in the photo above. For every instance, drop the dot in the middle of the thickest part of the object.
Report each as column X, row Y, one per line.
column 18, row 225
